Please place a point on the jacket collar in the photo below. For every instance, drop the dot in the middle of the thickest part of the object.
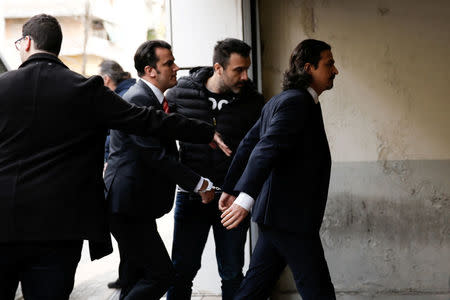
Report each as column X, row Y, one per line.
column 199, row 75
column 126, row 84
column 313, row 94
column 42, row 56
column 153, row 101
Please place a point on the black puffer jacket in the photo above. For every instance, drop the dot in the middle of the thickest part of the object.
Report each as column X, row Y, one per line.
column 190, row 98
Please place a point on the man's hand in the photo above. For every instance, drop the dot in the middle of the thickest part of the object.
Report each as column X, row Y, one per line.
column 233, row 216
column 225, row 201
column 217, row 141
column 207, row 196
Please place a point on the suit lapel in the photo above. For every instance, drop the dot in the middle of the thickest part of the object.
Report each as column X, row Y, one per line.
column 152, row 100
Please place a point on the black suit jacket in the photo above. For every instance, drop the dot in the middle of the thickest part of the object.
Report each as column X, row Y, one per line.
column 142, row 172
column 284, row 163
column 52, row 132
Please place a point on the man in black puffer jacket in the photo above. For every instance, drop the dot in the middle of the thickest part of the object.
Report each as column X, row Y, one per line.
column 223, row 96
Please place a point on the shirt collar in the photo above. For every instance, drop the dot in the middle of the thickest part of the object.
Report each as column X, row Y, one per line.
column 159, row 95
column 313, row 94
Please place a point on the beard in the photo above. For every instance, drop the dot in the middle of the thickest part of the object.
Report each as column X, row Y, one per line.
column 238, row 87
column 330, row 85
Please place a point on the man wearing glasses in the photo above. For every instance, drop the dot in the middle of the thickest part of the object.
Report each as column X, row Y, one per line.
column 17, row 42
column 52, row 132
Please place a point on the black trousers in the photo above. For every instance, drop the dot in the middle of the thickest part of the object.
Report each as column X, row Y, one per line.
column 303, row 254
column 146, row 270
column 46, row 270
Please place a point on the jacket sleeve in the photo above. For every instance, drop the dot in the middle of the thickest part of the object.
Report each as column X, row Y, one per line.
column 157, row 157
column 240, row 158
column 171, row 97
column 279, row 139
column 111, row 111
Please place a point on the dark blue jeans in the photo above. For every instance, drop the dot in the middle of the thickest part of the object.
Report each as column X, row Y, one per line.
column 193, row 221
column 45, row 269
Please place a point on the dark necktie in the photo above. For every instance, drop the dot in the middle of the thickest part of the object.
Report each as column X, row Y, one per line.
column 165, row 105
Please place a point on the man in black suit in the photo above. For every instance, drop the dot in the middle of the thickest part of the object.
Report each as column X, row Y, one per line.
column 141, row 177
column 284, row 163
column 53, row 124
column 118, row 81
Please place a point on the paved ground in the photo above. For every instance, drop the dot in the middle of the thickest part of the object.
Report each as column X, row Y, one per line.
column 92, row 277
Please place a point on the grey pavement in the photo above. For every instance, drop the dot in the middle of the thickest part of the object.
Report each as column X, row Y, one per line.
column 92, row 277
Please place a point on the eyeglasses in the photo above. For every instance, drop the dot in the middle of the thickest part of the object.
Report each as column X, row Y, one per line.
column 17, row 43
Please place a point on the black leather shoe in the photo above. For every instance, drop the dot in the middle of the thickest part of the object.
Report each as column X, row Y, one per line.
column 115, row 284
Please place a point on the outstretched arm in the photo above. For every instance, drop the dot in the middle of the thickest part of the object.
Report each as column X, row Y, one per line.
column 111, row 111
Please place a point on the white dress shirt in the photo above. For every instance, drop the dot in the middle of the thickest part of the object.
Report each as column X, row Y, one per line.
column 313, row 94
column 245, row 200
column 160, row 96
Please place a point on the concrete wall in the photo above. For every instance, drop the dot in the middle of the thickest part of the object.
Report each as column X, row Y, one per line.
column 386, row 230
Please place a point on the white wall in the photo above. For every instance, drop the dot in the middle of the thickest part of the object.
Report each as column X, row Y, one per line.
column 198, row 24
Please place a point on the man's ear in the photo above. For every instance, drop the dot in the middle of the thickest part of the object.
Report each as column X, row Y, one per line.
column 150, row 71
column 307, row 68
column 218, row 68
column 28, row 41
column 106, row 79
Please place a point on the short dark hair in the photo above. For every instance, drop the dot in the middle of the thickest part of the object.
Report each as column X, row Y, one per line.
column 307, row 51
column 45, row 31
column 224, row 48
column 146, row 55
column 114, row 71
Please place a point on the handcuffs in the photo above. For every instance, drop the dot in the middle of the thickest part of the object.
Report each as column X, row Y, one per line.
column 210, row 187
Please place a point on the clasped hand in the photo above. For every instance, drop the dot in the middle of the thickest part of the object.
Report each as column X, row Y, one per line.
column 207, row 196
column 232, row 214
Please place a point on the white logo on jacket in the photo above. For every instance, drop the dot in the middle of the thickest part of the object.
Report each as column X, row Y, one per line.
column 217, row 105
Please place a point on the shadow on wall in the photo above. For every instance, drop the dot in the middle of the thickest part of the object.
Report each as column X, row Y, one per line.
column 386, row 231
column 386, row 226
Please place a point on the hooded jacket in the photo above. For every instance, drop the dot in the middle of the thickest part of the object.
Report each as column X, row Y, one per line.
column 232, row 120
